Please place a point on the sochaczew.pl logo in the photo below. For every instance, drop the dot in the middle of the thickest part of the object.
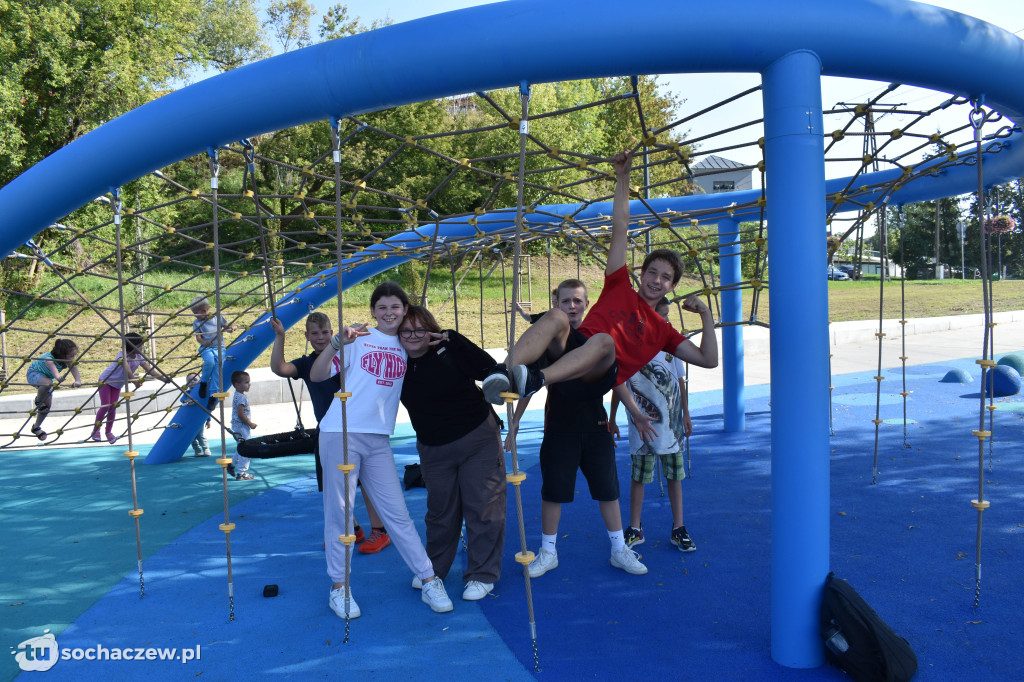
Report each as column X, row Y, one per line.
column 38, row 653
column 42, row 653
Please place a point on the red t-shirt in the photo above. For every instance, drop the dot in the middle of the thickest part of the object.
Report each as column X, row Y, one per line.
column 639, row 332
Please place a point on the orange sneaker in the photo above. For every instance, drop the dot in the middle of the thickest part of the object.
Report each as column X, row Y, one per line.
column 378, row 540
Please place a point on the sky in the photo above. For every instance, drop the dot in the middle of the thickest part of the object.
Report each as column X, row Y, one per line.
column 702, row 90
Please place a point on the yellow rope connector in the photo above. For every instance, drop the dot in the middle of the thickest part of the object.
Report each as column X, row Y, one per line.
column 135, row 512
column 878, row 378
column 524, row 558
column 991, row 408
column 343, row 396
column 876, row 422
column 838, row 135
column 905, row 393
column 219, row 396
column 986, row 363
column 980, row 505
column 236, row 215
column 347, row 468
column 131, row 454
column 651, row 140
column 247, row 194
column 879, row 335
column 515, row 479
column 227, row 527
column 128, row 394
column 992, row 324
column 904, row 358
column 982, row 435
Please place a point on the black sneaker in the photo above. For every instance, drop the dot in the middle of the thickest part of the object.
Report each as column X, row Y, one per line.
column 681, row 539
column 633, row 536
column 495, row 383
column 231, row 470
column 528, row 380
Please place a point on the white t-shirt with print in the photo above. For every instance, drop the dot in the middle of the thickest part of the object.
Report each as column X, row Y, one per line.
column 374, row 371
column 655, row 389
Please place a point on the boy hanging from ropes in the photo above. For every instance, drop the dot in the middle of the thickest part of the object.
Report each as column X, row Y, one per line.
column 623, row 331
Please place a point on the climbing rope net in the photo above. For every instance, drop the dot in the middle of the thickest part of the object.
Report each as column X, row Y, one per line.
column 278, row 214
column 452, row 184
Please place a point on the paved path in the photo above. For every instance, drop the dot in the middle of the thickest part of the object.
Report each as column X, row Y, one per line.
column 854, row 346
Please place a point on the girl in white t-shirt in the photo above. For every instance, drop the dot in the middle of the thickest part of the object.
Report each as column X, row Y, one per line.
column 374, row 367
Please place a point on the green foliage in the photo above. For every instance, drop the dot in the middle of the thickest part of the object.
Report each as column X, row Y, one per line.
column 67, row 66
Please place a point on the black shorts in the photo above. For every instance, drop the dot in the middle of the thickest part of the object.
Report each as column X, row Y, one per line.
column 592, row 452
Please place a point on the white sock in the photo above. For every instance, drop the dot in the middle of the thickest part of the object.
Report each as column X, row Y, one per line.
column 618, row 542
column 547, row 542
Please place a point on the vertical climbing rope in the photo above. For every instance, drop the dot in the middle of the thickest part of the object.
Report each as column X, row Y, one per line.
column 903, row 323
column 135, row 512
column 346, row 468
column 977, row 119
column 524, row 557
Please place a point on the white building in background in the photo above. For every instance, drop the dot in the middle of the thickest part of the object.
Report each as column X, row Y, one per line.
column 716, row 174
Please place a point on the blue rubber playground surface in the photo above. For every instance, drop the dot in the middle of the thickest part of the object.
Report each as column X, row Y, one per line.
column 907, row 542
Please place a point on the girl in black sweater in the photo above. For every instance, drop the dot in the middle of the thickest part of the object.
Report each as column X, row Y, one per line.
column 459, row 443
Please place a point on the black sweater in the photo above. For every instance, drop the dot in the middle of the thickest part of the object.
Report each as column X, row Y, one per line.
column 440, row 391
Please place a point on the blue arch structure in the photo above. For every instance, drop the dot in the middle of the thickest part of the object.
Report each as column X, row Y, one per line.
column 504, row 44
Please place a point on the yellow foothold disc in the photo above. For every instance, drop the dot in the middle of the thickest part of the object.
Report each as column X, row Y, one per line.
column 135, row 512
column 524, row 558
column 509, row 397
column 224, row 461
column 346, row 539
column 515, row 479
column 131, row 454
column 346, row 467
column 980, row 505
column 876, row 422
column 227, row 527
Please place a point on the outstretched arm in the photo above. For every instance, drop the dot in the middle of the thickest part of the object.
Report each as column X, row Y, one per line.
column 622, row 161
column 706, row 355
column 277, row 364
column 641, row 421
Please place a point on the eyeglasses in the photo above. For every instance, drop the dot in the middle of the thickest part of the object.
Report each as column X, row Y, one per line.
column 419, row 333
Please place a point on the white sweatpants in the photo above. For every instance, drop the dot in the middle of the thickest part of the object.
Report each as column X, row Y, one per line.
column 375, row 468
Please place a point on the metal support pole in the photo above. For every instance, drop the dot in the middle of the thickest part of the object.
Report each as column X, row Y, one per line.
column 798, row 298
column 733, row 402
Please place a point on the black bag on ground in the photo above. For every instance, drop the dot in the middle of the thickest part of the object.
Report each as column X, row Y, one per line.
column 413, row 477
column 858, row 641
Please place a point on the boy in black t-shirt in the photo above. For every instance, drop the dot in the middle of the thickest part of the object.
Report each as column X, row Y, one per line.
column 321, row 393
column 576, row 437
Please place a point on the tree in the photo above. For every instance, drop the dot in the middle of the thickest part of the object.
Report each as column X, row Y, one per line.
column 67, row 66
column 918, row 226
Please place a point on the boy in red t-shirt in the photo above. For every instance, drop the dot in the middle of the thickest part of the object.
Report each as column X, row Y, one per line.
column 622, row 327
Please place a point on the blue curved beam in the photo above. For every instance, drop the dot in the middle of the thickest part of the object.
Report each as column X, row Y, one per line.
column 890, row 40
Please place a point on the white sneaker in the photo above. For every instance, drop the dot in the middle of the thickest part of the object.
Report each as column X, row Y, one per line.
column 417, row 584
column 628, row 561
column 542, row 563
column 337, row 603
column 476, row 590
column 435, row 597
